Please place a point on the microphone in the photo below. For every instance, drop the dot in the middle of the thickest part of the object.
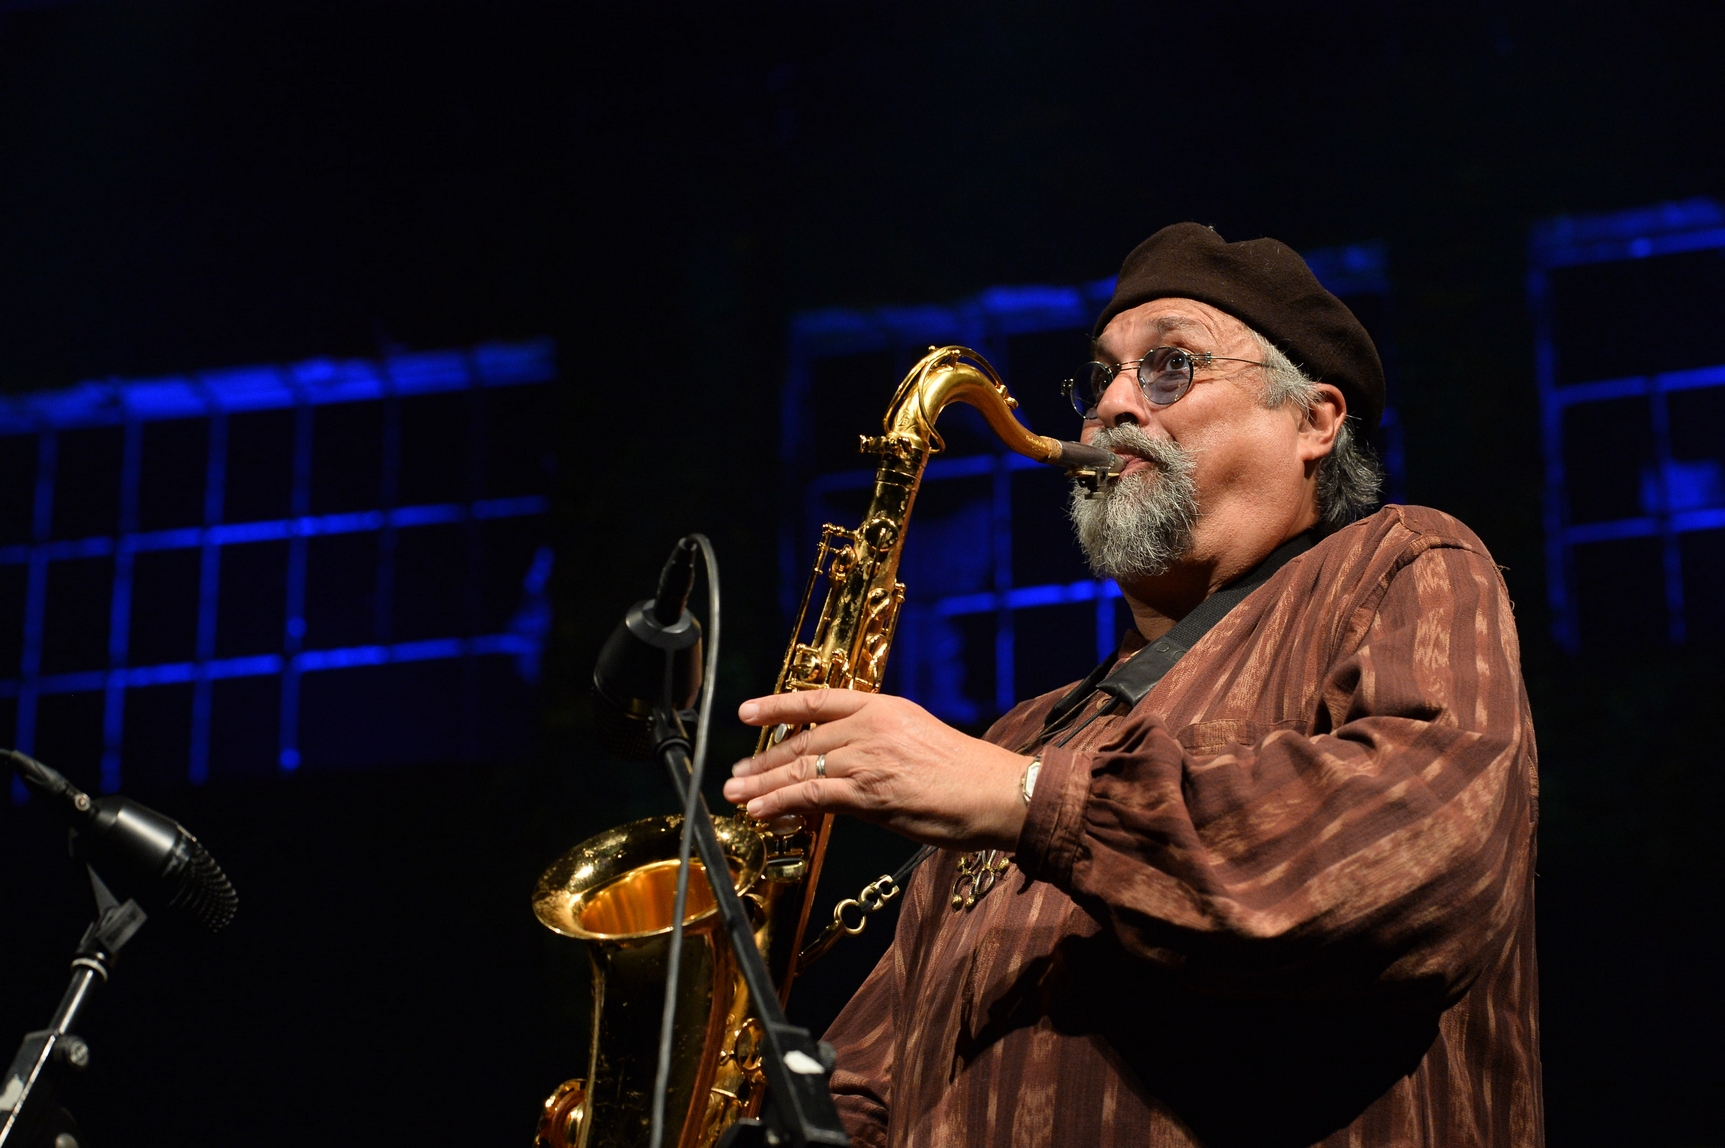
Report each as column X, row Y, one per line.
column 138, row 846
column 629, row 679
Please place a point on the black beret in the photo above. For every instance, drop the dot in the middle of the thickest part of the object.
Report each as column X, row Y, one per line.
column 1268, row 287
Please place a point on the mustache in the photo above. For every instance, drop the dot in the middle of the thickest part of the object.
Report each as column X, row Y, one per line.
column 1128, row 438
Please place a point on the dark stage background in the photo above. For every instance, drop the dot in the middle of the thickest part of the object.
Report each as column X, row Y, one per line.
column 658, row 188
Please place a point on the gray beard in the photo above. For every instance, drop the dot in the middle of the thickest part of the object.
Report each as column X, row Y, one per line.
column 1143, row 524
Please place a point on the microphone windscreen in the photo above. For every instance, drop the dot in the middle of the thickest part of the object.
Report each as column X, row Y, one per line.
column 197, row 886
column 621, row 732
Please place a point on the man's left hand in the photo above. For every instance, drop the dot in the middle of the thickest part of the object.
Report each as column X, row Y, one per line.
column 888, row 761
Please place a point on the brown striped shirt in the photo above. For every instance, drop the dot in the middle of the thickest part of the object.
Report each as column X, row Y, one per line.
column 1287, row 900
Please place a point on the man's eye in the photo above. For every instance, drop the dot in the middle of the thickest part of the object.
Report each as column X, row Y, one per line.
column 1179, row 361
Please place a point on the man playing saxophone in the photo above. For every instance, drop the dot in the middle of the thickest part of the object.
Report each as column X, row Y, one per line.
column 1276, row 890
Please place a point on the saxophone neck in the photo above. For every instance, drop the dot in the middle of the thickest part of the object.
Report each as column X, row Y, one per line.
column 948, row 375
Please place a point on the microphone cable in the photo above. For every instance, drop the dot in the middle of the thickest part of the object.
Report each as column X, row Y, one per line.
column 693, row 806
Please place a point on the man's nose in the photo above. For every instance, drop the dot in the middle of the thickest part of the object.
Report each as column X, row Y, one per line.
column 1123, row 402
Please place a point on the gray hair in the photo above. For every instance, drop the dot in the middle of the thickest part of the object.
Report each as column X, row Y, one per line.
column 1143, row 524
column 1350, row 478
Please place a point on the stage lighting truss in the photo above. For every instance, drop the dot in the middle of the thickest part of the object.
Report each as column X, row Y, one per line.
column 64, row 566
column 1630, row 364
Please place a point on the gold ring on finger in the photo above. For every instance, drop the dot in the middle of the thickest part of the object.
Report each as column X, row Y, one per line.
column 821, row 765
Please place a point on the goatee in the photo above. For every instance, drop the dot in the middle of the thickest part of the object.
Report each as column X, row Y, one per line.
column 1143, row 524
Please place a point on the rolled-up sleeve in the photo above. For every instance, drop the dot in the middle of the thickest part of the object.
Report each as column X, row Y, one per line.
column 1381, row 847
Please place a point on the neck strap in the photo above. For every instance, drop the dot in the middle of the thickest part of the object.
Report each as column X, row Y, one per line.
column 1129, row 684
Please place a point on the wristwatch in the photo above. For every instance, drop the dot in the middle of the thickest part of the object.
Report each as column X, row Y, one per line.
column 1027, row 784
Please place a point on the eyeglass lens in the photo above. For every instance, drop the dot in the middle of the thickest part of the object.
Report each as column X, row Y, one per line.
column 1165, row 375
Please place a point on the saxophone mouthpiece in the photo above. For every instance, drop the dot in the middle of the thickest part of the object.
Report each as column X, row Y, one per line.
column 1090, row 465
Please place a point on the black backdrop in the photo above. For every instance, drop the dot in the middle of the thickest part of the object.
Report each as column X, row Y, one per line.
column 192, row 184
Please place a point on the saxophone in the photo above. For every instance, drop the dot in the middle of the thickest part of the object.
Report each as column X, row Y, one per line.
column 615, row 890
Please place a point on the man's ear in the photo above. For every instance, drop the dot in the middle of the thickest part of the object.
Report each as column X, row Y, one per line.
column 1320, row 425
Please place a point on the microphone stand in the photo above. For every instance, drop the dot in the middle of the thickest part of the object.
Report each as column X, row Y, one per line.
column 799, row 1109
column 30, row 1116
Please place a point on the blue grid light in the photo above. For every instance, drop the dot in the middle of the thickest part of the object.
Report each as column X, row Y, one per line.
column 43, row 418
column 1678, row 496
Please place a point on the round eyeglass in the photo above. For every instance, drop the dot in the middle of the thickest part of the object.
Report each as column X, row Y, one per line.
column 1164, row 374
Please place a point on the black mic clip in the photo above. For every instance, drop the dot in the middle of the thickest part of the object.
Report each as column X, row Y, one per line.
column 142, row 850
column 115, row 924
column 658, row 637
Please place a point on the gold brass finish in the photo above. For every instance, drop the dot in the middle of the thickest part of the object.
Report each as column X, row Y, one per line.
column 615, row 890
column 977, row 873
column 872, row 899
column 848, row 644
column 560, row 1126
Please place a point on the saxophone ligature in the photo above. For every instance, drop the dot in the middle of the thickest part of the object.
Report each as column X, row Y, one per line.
column 614, row 891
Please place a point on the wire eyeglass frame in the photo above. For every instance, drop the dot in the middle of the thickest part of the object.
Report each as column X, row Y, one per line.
column 1164, row 374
